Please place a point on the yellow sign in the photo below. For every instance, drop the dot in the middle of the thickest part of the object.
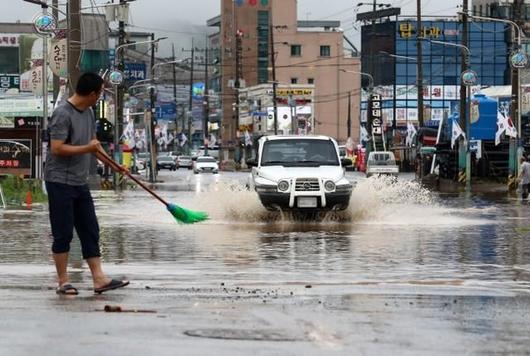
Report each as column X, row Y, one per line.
column 287, row 92
column 407, row 29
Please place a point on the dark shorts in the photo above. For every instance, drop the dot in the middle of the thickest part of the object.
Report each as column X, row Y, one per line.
column 72, row 207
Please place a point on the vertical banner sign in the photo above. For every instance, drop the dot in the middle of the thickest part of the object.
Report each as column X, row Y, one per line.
column 58, row 60
column 375, row 114
column 36, row 81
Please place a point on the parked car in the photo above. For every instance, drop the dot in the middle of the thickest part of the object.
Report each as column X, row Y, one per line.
column 381, row 163
column 302, row 173
column 205, row 164
column 166, row 162
column 184, row 162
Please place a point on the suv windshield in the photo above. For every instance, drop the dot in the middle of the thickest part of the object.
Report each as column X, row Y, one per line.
column 299, row 152
column 184, row 157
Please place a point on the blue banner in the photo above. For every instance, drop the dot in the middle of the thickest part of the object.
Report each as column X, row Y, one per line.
column 135, row 72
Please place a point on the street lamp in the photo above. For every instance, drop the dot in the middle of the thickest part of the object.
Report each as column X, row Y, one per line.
column 167, row 63
column 398, row 56
column 116, row 50
column 468, row 109
column 44, row 5
column 370, row 77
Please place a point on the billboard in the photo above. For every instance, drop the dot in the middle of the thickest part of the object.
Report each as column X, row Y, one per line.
column 15, row 157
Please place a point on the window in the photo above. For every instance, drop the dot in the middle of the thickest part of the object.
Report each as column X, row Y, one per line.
column 296, row 50
column 294, row 80
column 310, row 80
column 325, row 51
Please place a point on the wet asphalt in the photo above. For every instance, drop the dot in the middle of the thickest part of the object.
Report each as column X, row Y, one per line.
column 405, row 271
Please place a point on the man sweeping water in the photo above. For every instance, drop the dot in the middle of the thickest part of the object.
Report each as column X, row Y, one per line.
column 72, row 146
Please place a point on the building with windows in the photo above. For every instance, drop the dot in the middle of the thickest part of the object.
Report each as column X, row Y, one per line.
column 395, row 78
column 306, row 53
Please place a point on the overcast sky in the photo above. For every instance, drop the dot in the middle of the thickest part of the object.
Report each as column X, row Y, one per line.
column 186, row 15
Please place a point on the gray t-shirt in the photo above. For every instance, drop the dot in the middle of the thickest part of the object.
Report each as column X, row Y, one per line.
column 525, row 172
column 75, row 128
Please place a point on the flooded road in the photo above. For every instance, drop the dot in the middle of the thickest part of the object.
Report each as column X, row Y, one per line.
column 403, row 271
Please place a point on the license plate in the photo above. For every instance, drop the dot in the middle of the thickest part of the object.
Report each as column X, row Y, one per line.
column 307, row 202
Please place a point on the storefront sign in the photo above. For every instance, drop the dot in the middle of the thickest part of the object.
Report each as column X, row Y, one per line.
column 407, row 29
column 375, row 114
column 9, row 40
column 7, row 122
column 15, row 157
column 135, row 71
column 26, row 122
column 9, row 81
column 287, row 92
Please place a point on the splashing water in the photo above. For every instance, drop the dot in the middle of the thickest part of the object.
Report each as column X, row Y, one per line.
column 374, row 201
column 377, row 200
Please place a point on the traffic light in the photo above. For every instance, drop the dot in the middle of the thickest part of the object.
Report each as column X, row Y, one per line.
column 104, row 130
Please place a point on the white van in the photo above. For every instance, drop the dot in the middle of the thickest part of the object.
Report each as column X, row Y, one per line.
column 300, row 173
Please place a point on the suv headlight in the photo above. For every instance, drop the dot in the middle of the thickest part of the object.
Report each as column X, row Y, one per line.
column 283, row 186
column 329, row 185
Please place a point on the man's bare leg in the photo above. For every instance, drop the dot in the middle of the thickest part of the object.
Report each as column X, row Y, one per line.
column 61, row 264
column 99, row 278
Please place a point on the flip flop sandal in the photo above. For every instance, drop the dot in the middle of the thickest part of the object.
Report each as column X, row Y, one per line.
column 113, row 284
column 67, row 289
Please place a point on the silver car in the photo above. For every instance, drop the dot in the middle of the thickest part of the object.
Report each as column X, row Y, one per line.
column 184, row 162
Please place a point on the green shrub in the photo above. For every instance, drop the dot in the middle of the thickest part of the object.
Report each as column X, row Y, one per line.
column 16, row 188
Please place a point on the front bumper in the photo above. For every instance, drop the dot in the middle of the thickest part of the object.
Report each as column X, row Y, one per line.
column 272, row 199
column 207, row 170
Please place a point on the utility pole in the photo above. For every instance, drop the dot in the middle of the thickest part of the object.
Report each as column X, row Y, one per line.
column 419, row 46
column 175, row 95
column 118, row 119
column 55, row 13
column 239, row 70
column 206, row 102
column 515, row 112
column 190, row 107
column 73, row 42
column 274, row 83
column 349, row 115
column 152, row 97
column 465, row 58
column 465, row 65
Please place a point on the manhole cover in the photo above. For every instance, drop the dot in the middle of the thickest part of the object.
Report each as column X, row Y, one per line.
column 238, row 334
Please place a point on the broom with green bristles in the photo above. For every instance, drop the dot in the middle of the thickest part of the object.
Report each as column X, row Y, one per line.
column 182, row 215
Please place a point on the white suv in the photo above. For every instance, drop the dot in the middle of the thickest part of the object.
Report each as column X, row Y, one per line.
column 300, row 173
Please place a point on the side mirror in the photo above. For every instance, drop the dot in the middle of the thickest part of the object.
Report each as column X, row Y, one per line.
column 252, row 162
column 346, row 162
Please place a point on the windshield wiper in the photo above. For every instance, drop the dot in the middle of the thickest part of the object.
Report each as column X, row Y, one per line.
column 274, row 163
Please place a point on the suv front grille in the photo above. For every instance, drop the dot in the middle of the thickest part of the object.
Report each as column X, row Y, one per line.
column 307, row 185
